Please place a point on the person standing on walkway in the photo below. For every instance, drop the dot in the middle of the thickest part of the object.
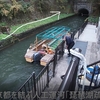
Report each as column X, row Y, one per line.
column 69, row 42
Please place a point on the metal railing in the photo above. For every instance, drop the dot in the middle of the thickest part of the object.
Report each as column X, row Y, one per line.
column 34, row 86
column 80, row 30
column 69, row 82
column 92, row 76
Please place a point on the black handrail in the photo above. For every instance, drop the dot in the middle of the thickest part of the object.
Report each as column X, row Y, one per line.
column 93, row 63
column 69, row 81
column 80, row 30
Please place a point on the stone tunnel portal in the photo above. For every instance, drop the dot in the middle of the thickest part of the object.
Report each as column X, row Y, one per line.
column 83, row 12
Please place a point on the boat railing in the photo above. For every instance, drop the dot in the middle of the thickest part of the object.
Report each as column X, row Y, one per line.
column 37, row 42
column 34, row 86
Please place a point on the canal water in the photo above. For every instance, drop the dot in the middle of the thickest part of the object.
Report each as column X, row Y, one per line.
column 14, row 70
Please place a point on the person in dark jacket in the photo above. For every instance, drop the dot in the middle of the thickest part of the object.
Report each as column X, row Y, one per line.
column 69, row 43
column 39, row 54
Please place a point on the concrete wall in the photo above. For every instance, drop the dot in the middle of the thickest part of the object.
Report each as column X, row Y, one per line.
column 87, row 6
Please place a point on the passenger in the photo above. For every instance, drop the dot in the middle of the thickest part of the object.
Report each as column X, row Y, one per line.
column 44, row 48
column 38, row 55
column 50, row 51
column 69, row 42
column 47, row 49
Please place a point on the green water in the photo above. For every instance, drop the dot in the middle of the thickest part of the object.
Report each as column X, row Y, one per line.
column 14, row 70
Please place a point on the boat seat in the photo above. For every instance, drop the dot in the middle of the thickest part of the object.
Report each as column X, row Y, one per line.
column 46, row 59
column 29, row 55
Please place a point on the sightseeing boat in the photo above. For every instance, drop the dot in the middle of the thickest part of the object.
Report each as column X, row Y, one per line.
column 51, row 37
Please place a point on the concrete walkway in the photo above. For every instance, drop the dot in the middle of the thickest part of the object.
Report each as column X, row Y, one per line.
column 93, row 49
column 89, row 34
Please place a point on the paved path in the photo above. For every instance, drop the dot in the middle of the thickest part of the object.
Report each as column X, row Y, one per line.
column 89, row 34
column 93, row 48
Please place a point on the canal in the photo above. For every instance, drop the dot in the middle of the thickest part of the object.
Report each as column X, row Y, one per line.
column 14, row 70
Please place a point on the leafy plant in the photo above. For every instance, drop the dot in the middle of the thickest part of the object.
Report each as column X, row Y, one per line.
column 3, row 24
column 42, row 6
column 93, row 19
column 15, row 8
column 4, row 8
column 11, row 9
column 26, row 6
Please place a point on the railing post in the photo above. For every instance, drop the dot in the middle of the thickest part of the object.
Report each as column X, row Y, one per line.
column 54, row 62
column 78, row 33
column 92, row 79
column 34, row 85
column 72, row 35
column 62, row 48
column 56, row 55
column 54, row 65
column 47, row 75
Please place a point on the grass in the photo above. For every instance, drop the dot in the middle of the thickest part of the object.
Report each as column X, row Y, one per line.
column 2, row 36
column 34, row 25
column 93, row 19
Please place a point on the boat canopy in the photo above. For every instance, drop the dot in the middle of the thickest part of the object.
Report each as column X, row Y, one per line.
column 56, row 32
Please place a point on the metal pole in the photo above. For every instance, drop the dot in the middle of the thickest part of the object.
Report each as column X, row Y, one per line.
column 36, row 43
column 33, row 74
column 47, row 75
column 54, row 65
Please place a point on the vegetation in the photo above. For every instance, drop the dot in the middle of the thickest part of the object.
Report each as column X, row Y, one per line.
column 14, row 13
column 96, row 7
column 34, row 25
column 93, row 19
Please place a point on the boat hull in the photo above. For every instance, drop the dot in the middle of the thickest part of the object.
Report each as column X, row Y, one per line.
column 29, row 54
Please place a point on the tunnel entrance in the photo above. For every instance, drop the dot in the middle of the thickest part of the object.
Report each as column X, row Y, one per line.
column 83, row 12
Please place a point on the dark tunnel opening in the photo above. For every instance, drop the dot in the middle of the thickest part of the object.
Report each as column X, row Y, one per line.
column 83, row 12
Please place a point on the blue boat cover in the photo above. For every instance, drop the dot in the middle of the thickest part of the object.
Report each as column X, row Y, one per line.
column 54, row 32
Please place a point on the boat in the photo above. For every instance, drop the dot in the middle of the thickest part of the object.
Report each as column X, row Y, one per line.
column 51, row 37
